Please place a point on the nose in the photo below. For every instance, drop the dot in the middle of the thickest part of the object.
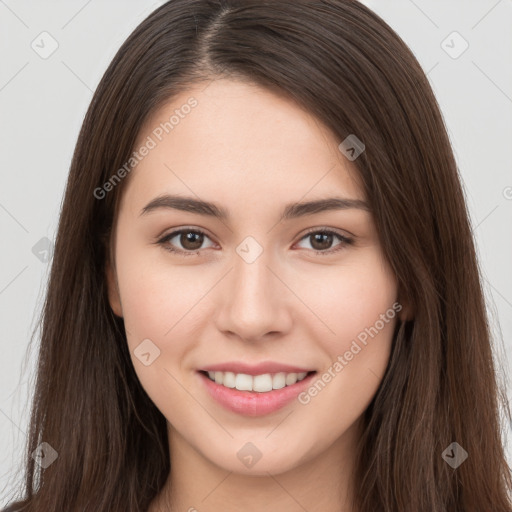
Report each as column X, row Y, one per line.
column 254, row 301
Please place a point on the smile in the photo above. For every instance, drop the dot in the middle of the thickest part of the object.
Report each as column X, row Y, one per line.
column 254, row 395
column 258, row 383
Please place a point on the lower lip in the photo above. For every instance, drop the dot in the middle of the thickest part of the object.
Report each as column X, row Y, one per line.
column 252, row 403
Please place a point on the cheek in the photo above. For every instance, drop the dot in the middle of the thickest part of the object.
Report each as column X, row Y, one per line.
column 159, row 300
column 361, row 309
column 352, row 299
column 160, row 303
column 153, row 293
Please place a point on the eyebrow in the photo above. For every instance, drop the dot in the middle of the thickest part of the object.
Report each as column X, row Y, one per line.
column 291, row 211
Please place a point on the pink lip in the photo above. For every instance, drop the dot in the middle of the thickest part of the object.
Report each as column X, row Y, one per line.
column 252, row 403
column 258, row 369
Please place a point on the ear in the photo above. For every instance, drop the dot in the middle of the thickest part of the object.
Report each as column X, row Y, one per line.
column 114, row 297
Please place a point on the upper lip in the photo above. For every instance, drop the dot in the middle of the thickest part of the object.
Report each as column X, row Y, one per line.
column 256, row 369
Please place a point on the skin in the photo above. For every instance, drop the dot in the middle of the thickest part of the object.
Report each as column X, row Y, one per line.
column 251, row 152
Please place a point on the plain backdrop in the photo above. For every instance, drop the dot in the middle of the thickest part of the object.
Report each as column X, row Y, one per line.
column 464, row 46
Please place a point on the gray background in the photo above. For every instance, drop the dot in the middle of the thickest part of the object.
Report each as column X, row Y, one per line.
column 43, row 101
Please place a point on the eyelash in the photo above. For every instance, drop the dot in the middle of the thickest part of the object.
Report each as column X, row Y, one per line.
column 343, row 239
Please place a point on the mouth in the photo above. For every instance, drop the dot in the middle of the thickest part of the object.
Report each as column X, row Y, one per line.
column 263, row 383
column 254, row 395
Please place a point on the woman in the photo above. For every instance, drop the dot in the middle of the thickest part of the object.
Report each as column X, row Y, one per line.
column 264, row 292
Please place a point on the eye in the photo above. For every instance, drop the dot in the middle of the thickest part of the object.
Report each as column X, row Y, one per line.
column 322, row 240
column 191, row 241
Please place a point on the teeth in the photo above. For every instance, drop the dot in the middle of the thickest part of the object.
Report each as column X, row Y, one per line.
column 262, row 383
column 242, row 382
column 291, row 378
column 259, row 383
column 229, row 380
column 279, row 380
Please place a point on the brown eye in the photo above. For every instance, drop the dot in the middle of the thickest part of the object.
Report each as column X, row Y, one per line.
column 191, row 240
column 185, row 241
column 321, row 241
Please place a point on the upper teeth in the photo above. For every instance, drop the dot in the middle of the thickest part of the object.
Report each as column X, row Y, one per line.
column 258, row 383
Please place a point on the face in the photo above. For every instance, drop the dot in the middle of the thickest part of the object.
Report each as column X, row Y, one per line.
column 258, row 298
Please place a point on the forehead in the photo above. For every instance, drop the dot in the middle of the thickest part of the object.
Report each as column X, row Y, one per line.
column 239, row 137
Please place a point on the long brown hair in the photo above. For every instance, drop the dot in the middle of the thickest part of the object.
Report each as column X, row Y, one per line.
column 345, row 65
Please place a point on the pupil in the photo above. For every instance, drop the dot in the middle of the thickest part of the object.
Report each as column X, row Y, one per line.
column 188, row 240
column 319, row 237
